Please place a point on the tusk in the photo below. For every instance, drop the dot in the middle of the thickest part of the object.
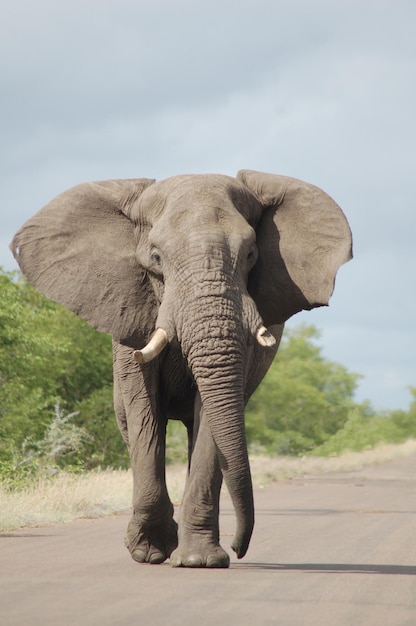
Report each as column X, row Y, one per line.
column 265, row 338
column 155, row 346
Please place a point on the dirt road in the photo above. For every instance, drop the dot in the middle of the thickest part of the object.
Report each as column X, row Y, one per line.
column 332, row 549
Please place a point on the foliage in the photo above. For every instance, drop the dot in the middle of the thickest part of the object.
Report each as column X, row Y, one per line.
column 62, row 438
column 362, row 432
column 47, row 354
column 60, row 446
column 105, row 448
column 358, row 434
column 405, row 421
column 176, row 442
column 303, row 399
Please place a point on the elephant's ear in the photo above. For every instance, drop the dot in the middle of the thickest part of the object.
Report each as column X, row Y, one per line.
column 79, row 250
column 303, row 237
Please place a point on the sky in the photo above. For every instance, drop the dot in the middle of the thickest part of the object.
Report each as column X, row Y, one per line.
column 321, row 90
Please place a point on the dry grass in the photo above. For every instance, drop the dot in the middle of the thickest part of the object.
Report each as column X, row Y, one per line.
column 69, row 496
column 65, row 497
column 266, row 470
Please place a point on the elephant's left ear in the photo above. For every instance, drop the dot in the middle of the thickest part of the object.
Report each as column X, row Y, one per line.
column 303, row 238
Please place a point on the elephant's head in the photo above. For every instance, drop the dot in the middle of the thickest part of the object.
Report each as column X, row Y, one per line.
column 208, row 261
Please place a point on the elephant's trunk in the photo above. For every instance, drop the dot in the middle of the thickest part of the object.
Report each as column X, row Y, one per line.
column 215, row 349
column 223, row 404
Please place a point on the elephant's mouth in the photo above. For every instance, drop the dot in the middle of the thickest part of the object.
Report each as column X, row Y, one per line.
column 159, row 341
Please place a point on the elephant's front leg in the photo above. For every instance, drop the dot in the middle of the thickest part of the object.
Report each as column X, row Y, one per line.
column 198, row 526
column 152, row 532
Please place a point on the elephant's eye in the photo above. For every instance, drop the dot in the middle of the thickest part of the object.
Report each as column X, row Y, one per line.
column 155, row 262
column 155, row 257
column 252, row 256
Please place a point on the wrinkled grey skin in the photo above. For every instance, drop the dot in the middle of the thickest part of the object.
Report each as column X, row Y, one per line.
column 209, row 259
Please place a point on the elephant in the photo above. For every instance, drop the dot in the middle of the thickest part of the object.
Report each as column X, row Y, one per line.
column 194, row 276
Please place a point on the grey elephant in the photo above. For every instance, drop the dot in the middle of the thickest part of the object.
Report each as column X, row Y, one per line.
column 194, row 277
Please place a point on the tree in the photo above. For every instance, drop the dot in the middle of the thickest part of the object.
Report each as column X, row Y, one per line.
column 106, row 447
column 405, row 421
column 303, row 399
column 47, row 354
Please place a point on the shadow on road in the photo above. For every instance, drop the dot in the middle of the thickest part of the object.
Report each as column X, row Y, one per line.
column 308, row 512
column 329, row 568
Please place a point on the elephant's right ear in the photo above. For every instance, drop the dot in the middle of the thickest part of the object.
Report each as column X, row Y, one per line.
column 79, row 250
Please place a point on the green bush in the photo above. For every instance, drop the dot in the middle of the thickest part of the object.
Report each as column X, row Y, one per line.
column 106, row 447
column 358, row 434
column 405, row 421
column 303, row 400
column 47, row 355
column 176, row 442
column 61, row 446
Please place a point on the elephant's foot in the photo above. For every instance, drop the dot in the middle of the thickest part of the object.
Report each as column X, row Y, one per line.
column 199, row 550
column 151, row 541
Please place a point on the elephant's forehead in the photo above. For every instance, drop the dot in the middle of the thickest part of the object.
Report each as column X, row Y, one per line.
column 200, row 192
column 199, row 201
column 192, row 183
column 207, row 217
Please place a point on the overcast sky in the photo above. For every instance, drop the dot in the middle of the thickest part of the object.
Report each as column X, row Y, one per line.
column 322, row 90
